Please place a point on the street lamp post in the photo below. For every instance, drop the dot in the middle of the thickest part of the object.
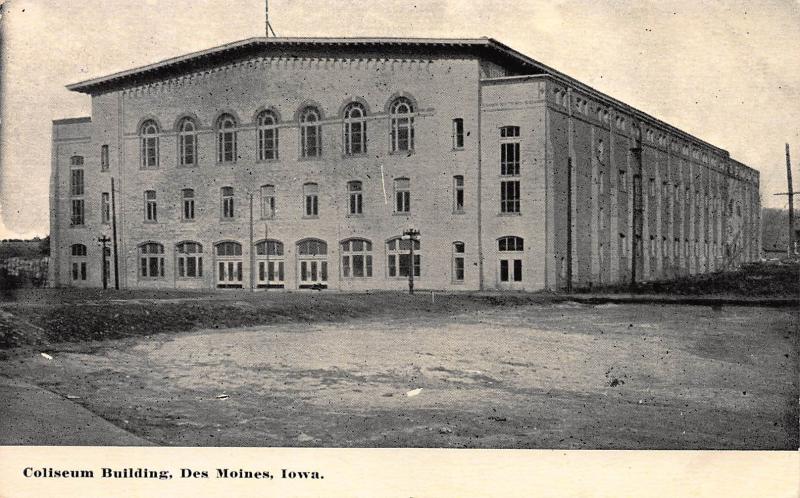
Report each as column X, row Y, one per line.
column 411, row 235
column 104, row 240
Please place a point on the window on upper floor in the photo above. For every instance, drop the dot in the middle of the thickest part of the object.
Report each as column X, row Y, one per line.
column 402, row 195
column 401, row 113
column 105, row 208
column 509, row 151
column 311, row 199
column 76, row 161
column 187, row 195
column 310, row 133
column 227, row 207
column 187, row 142
column 458, row 133
column 267, row 136
column 355, row 129
column 226, row 139
column 104, row 164
column 355, row 198
column 148, row 137
column 267, row 202
column 458, row 194
column 510, row 196
column 150, row 212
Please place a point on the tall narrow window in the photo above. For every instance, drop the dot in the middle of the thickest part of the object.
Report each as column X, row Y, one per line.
column 310, row 133
column 402, row 125
column 355, row 129
column 267, row 136
column 402, row 195
column 398, row 253
column 150, row 212
column 509, row 151
column 458, row 262
column 458, row 194
column 267, row 202
column 623, row 246
column 76, row 191
column 78, row 261
column 458, row 133
column 356, row 258
column 105, row 208
column 509, row 196
column 510, row 249
column 270, row 264
column 355, row 198
column 189, row 256
column 227, row 203
column 149, row 144
column 104, row 158
column 151, row 260
column 623, row 181
column 188, row 204
column 187, row 142
column 311, row 196
column 226, row 139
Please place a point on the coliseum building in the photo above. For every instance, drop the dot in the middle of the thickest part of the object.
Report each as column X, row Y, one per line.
column 297, row 162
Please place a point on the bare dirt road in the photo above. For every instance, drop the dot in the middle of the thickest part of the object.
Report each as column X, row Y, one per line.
column 528, row 376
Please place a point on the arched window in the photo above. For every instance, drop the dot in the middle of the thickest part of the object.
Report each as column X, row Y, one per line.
column 149, row 144
column 458, row 262
column 310, row 133
column 187, row 142
column 229, row 264
column 267, row 136
column 398, row 256
column 151, row 260
column 150, row 206
column 356, row 258
column 510, row 243
column 355, row 129
column 312, row 260
column 188, row 204
column 355, row 198
column 76, row 161
column 78, row 262
column 226, row 139
column 270, row 264
column 190, row 259
column 402, row 124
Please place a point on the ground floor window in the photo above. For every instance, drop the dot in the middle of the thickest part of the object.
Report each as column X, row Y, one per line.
column 151, row 260
column 312, row 263
column 78, row 261
column 190, row 260
column 458, row 262
column 270, row 264
column 510, row 250
column 356, row 258
column 398, row 254
column 229, row 264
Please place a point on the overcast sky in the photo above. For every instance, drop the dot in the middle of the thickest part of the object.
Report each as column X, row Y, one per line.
column 727, row 72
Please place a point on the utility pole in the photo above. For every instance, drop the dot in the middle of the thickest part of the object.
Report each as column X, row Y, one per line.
column 790, row 194
column 104, row 240
column 412, row 236
column 114, row 235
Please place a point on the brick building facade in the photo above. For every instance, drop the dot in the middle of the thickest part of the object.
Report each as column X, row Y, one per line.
column 293, row 163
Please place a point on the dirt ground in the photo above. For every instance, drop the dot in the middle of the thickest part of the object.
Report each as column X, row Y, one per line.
column 547, row 375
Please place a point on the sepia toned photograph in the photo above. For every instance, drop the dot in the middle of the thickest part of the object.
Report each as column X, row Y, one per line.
column 480, row 225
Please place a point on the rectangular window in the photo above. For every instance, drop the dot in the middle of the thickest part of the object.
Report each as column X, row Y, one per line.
column 509, row 196
column 188, row 204
column 356, row 200
column 77, row 217
column 458, row 262
column 311, row 194
column 402, row 195
column 227, row 203
column 652, row 187
column 458, row 194
column 601, row 182
column 104, row 158
column 150, row 213
column 76, row 182
column 458, row 133
column 267, row 202
column 509, row 159
column 623, row 181
column 623, row 245
column 105, row 208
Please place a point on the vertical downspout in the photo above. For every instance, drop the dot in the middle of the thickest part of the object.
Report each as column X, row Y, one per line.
column 54, row 268
column 570, row 189
column 120, row 175
column 480, row 175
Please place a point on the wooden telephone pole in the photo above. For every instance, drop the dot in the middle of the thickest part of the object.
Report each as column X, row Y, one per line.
column 790, row 194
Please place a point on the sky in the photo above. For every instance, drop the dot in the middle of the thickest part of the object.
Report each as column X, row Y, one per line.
column 727, row 72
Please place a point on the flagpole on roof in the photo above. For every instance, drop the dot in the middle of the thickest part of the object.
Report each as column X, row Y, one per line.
column 268, row 26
